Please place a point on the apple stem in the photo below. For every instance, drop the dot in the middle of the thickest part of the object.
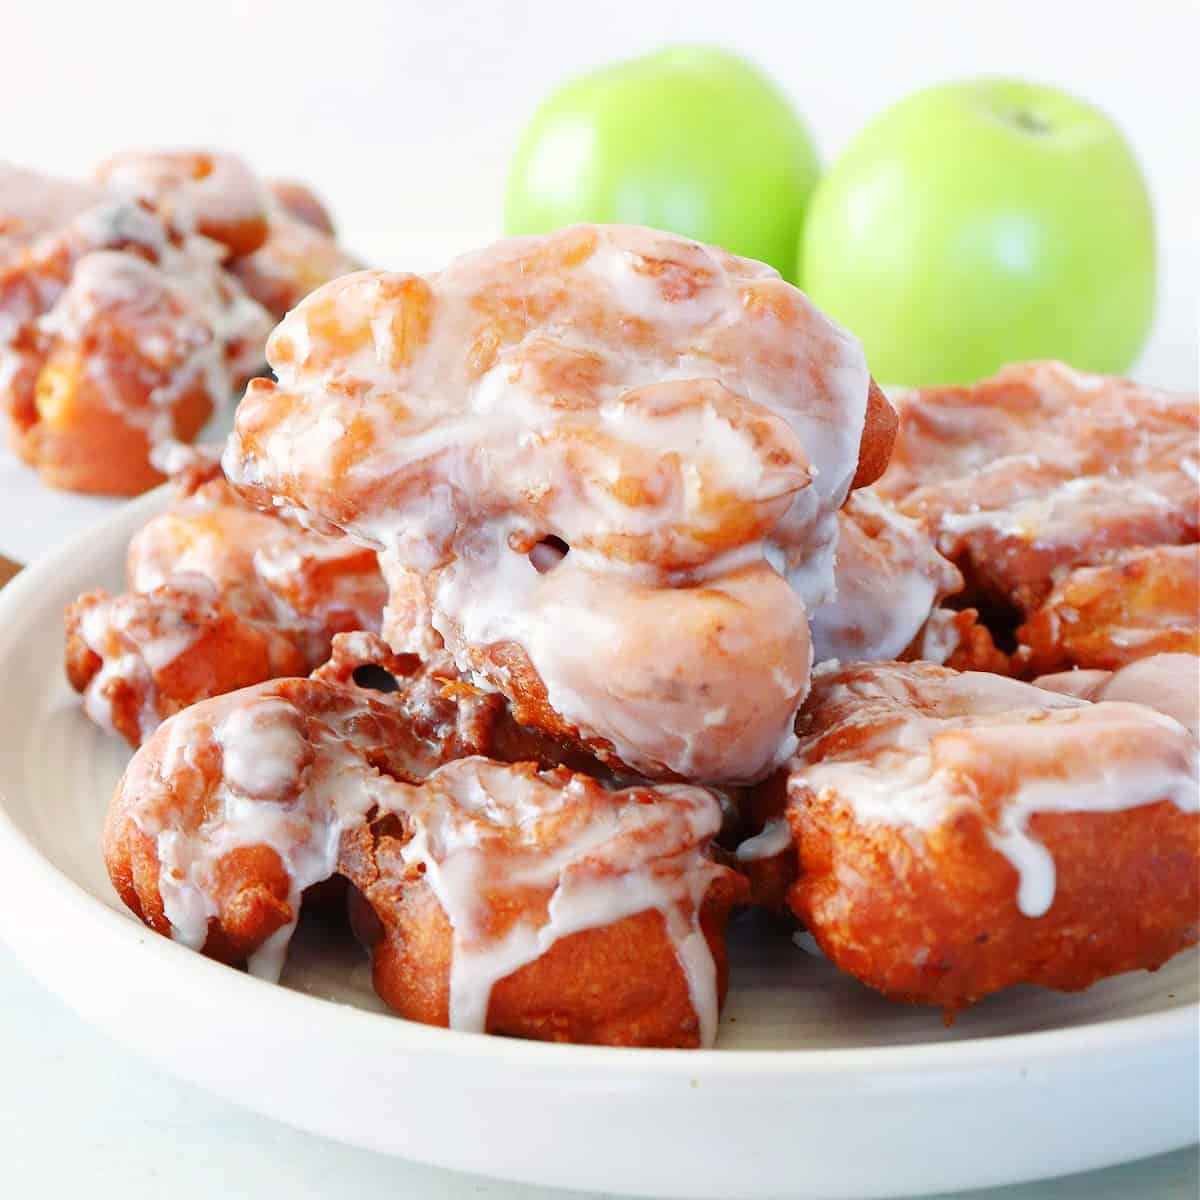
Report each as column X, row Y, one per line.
column 1029, row 121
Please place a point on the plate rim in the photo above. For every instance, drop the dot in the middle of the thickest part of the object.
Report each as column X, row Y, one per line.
column 875, row 1063
column 962, row 1056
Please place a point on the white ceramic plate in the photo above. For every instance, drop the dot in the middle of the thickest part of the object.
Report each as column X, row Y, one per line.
column 817, row 1087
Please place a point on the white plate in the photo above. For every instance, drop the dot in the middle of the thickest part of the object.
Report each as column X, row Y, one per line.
column 817, row 1088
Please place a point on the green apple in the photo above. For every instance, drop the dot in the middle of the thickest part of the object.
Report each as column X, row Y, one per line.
column 980, row 223
column 692, row 140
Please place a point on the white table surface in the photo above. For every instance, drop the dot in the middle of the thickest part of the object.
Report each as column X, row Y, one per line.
column 80, row 1117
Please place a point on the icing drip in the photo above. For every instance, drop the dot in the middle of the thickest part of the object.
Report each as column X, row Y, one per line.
column 108, row 298
column 134, row 644
column 1043, row 467
column 673, row 695
column 554, row 854
column 284, row 783
column 265, row 569
column 908, row 745
column 774, row 838
column 655, row 407
column 889, row 576
column 482, row 829
column 222, row 596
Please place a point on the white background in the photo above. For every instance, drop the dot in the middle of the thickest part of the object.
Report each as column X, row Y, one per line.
column 404, row 112
column 404, row 115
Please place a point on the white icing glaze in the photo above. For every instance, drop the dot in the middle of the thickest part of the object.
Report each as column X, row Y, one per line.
column 889, row 576
column 211, row 559
column 940, row 637
column 1168, row 683
column 196, row 192
column 31, row 203
column 654, row 404
column 185, row 324
column 1043, row 466
column 1082, row 684
column 264, row 568
column 1054, row 515
column 923, row 733
column 673, row 693
column 1129, row 604
column 263, row 749
column 617, row 860
column 191, row 322
column 285, row 785
column 484, row 834
column 134, row 643
column 774, row 838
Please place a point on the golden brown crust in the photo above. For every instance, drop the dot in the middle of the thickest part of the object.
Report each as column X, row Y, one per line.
column 879, row 436
column 932, row 918
column 223, row 597
column 301, row 202
column 771, row 874
column 77, row 445
column 956, row 638
column 122, row 329
column 120, row 337
column 976, row 649
column 643, row 999
column 624, row 980
column 405, row 733
column 197, row 191
column 699, row 618
column 906, row 865
column 300, row 252
column 640, row 405
column 224, row 651
column 1132, row 605
column 1042, row 469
